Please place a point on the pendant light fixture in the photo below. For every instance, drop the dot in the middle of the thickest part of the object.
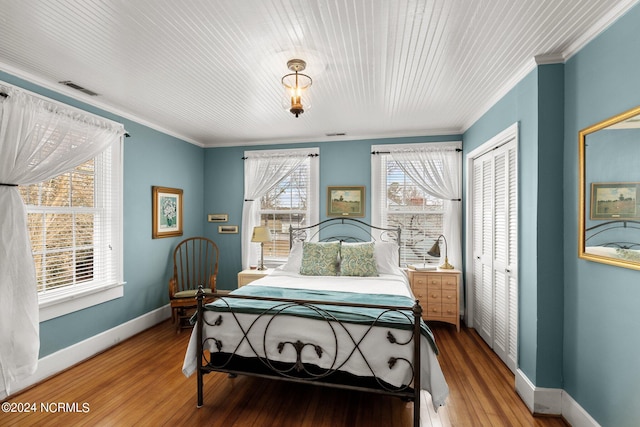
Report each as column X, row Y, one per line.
column 297, row 86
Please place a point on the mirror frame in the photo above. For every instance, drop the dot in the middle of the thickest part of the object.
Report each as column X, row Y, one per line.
column 582, row 212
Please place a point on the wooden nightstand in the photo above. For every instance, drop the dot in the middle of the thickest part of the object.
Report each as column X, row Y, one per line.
column 438, row 292
column 247, row 276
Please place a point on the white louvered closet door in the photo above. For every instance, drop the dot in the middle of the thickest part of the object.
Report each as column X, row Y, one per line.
column 483, row 245
column 495, row 225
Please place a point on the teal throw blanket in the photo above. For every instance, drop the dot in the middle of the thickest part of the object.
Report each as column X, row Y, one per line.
column 345, row 314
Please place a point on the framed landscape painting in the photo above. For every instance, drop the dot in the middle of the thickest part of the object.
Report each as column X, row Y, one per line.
column 345, row 201
column 615, row 200
column 167, row 212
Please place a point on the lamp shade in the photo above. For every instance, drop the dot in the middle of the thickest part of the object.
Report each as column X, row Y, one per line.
column 261, row 234
column 435, row 252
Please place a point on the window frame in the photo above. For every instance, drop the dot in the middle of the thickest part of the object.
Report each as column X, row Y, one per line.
column 313, row 198
column 380, row 211
column 68, row 299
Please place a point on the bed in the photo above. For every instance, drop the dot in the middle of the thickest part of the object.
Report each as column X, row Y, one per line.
column 614, row 239
column 339, row 313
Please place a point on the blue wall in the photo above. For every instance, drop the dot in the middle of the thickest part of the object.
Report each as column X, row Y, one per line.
column 341, row 163
column 536, row 105
column 150, row 158
column 601, row 316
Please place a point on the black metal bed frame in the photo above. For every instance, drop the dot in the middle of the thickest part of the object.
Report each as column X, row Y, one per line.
column 612, row 225
column 304, row 370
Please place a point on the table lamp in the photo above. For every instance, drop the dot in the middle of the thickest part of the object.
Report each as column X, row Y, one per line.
column 261, row 234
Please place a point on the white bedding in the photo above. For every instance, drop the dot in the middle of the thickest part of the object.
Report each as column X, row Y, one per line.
column 625, row 254
column 374, row 345
column 389, row 284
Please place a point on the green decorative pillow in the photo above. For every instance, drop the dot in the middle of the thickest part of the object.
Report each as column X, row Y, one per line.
column 320, row 259
column 358, row 260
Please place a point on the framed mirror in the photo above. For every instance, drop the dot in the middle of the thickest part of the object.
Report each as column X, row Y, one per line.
column 609, row 188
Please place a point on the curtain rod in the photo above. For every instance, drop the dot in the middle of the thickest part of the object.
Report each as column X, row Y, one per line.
column 389, row 152
column 308, row 155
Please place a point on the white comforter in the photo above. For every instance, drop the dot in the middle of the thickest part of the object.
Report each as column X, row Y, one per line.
column 336, row 351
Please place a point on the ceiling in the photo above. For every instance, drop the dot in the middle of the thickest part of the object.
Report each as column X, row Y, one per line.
column 209, row 71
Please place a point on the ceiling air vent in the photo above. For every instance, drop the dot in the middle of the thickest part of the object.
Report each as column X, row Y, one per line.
column 72, row 85
column 336, row 134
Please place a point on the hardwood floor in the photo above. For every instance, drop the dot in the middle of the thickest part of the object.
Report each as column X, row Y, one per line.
column 139, row 382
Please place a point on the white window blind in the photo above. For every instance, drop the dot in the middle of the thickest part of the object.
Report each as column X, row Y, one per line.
column 74, row 223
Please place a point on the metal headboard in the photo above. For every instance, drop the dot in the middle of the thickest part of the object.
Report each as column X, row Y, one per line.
column 598, row 229
column 345, row 230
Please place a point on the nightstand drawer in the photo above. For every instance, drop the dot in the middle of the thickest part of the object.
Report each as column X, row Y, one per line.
column 420, row 294
column 419, row 280
column 449, row 296
column 434, row 296
column 433, row 310
column 449, row 310
column 434, row 281
column 450, row 281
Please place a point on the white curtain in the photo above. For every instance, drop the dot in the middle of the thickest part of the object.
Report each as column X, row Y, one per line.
column 39, row 139
column 262, row 172
column 437, row 170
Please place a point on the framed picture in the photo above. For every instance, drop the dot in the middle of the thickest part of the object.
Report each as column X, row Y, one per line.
column 615, row 200
column 218, row 217
column 167, row 212
column 345, row 201
column 228, row 229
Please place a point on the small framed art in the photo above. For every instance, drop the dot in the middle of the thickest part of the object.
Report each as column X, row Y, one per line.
column 615, row 200
column 218, row 217
column 228, row 229
column 167, row 212
column 345, row 201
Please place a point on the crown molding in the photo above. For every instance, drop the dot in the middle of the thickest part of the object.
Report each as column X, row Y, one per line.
column 605, row 22
column 88, row 100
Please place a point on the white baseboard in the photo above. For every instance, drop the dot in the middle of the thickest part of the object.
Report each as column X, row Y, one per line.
column 575, row 414
column 76, row 353
column 525, row 389
column 544, row 401
column 552, row 401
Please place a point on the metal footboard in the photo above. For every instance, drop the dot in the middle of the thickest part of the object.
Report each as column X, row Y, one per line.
column 224, row 357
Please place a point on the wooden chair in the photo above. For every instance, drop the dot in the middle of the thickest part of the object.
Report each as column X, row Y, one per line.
column 195, row 263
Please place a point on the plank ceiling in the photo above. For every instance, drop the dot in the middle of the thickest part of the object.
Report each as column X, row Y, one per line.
column 209, row 71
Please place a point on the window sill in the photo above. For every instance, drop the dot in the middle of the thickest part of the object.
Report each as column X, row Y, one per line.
column 60, row 303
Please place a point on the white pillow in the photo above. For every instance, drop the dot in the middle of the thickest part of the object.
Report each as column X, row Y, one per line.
column 386, row 254
column 295, row 258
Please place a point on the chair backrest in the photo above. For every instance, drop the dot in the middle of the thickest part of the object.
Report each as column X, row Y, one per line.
column 195, row 263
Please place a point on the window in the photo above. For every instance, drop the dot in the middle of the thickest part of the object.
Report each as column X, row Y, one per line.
column 399, row 201
column 74, row 223
column 419, row 215
column 292, row 202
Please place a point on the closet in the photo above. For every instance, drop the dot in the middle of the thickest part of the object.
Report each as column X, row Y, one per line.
column 493, row 240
